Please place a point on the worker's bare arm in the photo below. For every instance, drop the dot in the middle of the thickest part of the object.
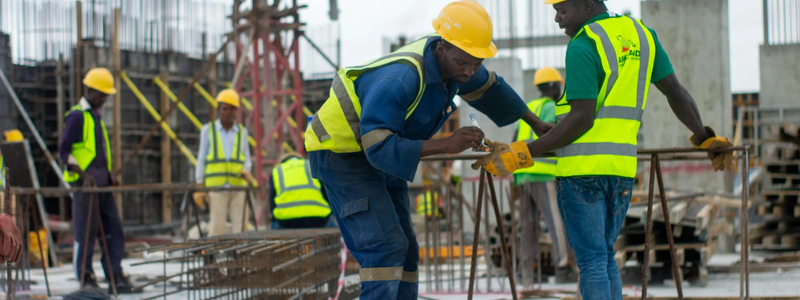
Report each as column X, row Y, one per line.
column 682, row 105
column 539, row 127
column 579, row 120
column 464, row 138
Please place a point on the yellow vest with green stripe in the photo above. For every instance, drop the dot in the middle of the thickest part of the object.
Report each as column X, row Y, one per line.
column 542, row 165
column 297, row 194
column 427, row 200
column 85, row 151
column 220, row 170
column 336, row 126
column 627, row 52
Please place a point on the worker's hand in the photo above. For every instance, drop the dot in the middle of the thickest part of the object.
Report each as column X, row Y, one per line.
column 88, row 180
column 543, row 127
column 464, row 138
column 505, row 158
column 719, row 160
column 11, row 239
column 200, row 199
column 113, row 180
column 249, row 177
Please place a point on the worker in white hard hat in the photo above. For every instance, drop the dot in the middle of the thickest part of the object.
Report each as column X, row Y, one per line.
column 223, row 160
column 611, row 60
column 366, row 141
column 86, row 151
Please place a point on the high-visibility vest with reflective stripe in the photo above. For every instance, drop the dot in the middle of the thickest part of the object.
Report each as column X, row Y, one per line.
column 627, row 51
column 336, row 126
column 297, row 194
column 86, row 150
column 542, row 165
column 427, row 200
column 220, row 170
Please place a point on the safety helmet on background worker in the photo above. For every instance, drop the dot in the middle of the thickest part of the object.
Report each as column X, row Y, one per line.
column 13, row 135
column 466, row 25
column 546, row 75
column 101, row 80
column 229, row 96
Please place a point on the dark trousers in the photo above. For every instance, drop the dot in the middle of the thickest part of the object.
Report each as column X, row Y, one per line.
column 84, row 210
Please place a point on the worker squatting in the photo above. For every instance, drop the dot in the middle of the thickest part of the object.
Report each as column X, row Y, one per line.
column 367, row 139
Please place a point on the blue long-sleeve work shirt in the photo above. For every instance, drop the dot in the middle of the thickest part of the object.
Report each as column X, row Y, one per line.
column 387, row 92
column 73, row 133
column 228, row 138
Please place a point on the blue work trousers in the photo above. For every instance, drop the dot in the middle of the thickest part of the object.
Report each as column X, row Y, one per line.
column 83, row 210
column 593, row 209
column 372, row 210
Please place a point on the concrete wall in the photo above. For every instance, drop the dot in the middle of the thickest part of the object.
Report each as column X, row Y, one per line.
column 694, row 33
column 779, row 76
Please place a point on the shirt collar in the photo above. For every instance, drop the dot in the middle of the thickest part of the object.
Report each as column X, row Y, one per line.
column 218, row 124
column 602, row 16
column 84, row 104
column 432, row 74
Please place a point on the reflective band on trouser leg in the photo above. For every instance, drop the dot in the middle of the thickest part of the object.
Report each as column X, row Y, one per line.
column 381, row 274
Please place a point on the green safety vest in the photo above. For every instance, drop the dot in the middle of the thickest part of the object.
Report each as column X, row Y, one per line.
column 627, row 51
column 432, row 207
column 85, row 151
column 297, row 194
column 542, row 165
column 220, row 170
column 336, row 126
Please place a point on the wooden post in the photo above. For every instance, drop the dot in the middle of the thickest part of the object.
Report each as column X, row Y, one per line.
column 166, row 156
column 212, row 89
column 78, row 51
column 62, row 202
column 117, row 135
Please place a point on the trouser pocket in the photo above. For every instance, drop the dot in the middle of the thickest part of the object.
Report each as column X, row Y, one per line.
column 362, row 224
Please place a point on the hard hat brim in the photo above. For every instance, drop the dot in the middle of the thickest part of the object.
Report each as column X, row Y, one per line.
column 477, row 52
column 107, row 91
column 553, row 1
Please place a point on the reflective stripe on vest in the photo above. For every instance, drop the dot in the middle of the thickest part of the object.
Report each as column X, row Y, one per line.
column 220, row 170
column 542, row 165
column 297, row 194
column 432, row 208
column 85, row 151
column 336, row 126
column 626, row 49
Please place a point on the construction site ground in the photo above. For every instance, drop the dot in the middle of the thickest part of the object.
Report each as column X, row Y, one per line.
column 775, row 282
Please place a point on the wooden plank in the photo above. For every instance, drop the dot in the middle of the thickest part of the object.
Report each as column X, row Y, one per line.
column 790, row 239
column 778, row 211
column 166, row 156
column 677, row 212
column 797, row 211
column 78, row 68
column 117, row 113
column 621, row 257
column 702, row 219
column 706, row 252
column 772, row 239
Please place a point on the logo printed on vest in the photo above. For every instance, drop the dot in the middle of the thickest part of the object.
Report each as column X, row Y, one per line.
column 627, row 51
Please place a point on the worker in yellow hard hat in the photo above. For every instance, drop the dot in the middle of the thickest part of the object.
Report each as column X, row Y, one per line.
column 367, row 139
column 86, row 150
column 611, row 61
column 223, row 160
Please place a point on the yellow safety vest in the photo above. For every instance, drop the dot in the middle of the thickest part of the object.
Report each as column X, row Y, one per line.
column 433, row 207
column 627, row 51
column 297, row 194
column 336, row 126
column 85, row 151
column 542, row 165
column 220, row 170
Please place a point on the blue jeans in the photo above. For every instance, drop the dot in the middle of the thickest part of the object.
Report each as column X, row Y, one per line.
column 372, row 210
column 593, row 209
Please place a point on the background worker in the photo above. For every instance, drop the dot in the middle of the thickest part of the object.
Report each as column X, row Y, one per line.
column 539, row 181
column 223, row 160
column 296, row 198
column 610, row 63
column 85, row 149
column 365, row 157
column 10, row 239
column 429, row 204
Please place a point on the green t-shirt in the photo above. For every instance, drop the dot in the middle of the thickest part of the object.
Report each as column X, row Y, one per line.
column 585, row 73
column 548, row 114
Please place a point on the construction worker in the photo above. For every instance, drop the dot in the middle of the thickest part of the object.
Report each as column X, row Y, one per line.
column 539, row 180
column 297, row 199
column 610, row 63
column 426, row 205
column 223, row 160
column 86, row 151
column 366, row 140
column 13, row 135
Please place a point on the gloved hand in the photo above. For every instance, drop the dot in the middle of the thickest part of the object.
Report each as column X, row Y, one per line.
column 505, row 158
column 10, row 243
column 249, row 177
column 719, row 160
column 200, row 198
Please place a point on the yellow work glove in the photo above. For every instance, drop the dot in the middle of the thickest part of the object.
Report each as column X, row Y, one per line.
column 200, row 198
column 505, row 158
column 249, row 177
column 719, row 160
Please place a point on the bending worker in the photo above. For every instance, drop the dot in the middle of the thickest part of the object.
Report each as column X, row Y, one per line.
column 539, row 181
column 85, row 149
column 297, row 199
column 223, row 160
column 367, row 139
column 610, row 63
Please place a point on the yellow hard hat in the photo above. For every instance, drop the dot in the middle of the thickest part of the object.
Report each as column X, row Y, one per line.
column 100, row 79
column 228, row 96
column 466, row 25
column 545, row 75
column 559, row 1
column 13, row 135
